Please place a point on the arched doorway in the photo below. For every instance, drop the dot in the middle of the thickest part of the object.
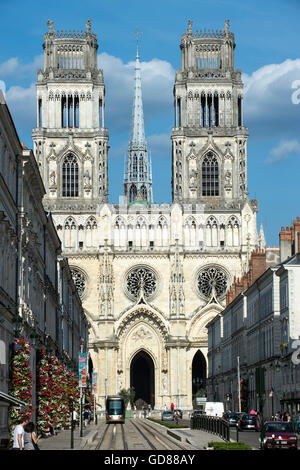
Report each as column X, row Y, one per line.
column 142, row 378
column 198, row 373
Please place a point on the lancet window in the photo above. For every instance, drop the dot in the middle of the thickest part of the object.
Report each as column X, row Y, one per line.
column 70, row 179
column 210, row 175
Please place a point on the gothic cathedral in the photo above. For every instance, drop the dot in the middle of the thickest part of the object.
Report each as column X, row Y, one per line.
column 150, row 276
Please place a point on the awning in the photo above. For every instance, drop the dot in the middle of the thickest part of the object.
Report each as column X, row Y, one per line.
column 10, row 399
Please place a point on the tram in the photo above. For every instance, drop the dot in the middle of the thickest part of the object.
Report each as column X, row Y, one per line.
column 115, row 409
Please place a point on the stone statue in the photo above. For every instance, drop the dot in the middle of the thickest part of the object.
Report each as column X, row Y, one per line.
column 50, row 25
column 119, row 382
column 228, row 177
column 165, row 383
column 52, row 178
column 226, row 26
column 86, row 178
column 88, row 25
column 190, row 24
column 193, row 178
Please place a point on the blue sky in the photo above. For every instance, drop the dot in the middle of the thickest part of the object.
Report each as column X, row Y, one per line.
column 267, row 38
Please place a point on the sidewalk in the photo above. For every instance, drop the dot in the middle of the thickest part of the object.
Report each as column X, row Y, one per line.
column 62, row 441
column 195, row 437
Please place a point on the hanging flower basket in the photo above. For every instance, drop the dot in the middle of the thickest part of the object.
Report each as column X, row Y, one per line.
column 21, row 381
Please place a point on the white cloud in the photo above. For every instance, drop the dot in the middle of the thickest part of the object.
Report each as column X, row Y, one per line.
column 9, row 67
column 13, row 67
column 22, row 105
column 269, row 106
column 283, row 150
column 157, row 88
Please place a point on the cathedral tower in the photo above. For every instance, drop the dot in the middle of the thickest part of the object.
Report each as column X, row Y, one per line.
column 209, row 156
column 138, row 173
column 70, row 140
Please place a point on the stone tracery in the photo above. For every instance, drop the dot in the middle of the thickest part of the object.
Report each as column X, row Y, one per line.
column 141, row 278
column 212, row 281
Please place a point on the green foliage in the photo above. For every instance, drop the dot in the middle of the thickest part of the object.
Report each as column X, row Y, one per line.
column 128, row 395
column 229, row 446
column 21, row 382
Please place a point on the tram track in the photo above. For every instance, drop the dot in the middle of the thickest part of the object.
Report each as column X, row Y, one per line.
column 136, row 435
column 111, row 436
column 156, row 436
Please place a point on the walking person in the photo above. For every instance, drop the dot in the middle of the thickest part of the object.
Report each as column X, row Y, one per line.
column 74, row 419
column 18, row 443
column 172, row 407
column 85, row 418
column 30, row 439
column 145, row 411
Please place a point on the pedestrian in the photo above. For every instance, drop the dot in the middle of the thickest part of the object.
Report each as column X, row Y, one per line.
column 18, row 443
column 74, row 418
column 277, row 416
column 172, row 407
column 50, row 428
column 176, row 416
column 30, row 439
column 145, row 411
column 90, row 416
column 298, row 424
column 85, row 418
column 165, row 408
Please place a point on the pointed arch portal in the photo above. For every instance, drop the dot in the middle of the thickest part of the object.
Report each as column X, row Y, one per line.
column 142, row 378
column 198, row 373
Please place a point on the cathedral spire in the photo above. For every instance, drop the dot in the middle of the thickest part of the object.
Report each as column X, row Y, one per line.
column 138, row 174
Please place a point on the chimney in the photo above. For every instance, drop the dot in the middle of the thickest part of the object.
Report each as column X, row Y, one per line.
column 285, row 243
column 257, row 264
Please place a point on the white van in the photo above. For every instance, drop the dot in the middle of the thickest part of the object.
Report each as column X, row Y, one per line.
column 214, row 408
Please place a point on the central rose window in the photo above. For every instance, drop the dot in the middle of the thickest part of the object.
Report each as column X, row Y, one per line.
column 141, row 279
column 212, row 280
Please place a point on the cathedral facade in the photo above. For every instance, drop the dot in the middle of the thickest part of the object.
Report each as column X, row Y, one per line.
column 150, row 276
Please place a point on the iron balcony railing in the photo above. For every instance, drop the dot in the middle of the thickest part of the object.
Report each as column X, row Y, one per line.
column 212, row 424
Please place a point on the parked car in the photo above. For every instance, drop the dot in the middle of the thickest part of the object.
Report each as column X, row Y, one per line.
column 231, row 418
column 279, row 434
column 167, row 416
column 248, row 421
column 197, row 413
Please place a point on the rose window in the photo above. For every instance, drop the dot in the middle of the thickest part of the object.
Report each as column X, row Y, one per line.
column 79, row 281
column 141, row 278
column 211, row 281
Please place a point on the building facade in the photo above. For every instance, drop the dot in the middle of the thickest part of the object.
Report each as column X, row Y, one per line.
column 258, row 333
column 34, row 283
column 150, row 276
